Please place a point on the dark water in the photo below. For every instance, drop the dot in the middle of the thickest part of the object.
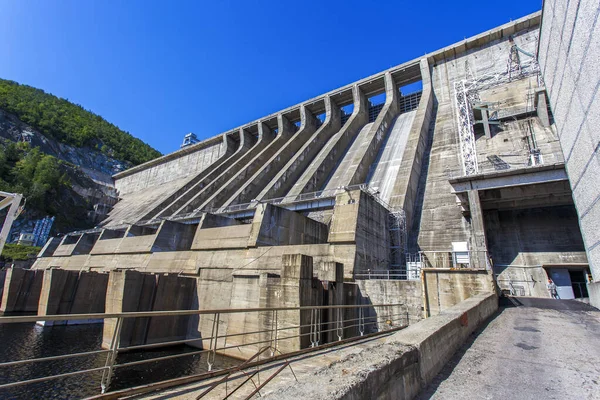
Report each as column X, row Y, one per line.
column 27, row 341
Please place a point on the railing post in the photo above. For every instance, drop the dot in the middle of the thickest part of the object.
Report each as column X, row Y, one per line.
column 340, row 324
column 312, row 326
column 213, row 339
column 276, row 332
column 361, row 321
column 111, row 357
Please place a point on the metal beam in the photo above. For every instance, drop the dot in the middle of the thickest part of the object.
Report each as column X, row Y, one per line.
column 507, row 178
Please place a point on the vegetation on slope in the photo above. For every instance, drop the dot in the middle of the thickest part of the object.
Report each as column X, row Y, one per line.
column 16, row 252
column 70, row 123
column 44, row 182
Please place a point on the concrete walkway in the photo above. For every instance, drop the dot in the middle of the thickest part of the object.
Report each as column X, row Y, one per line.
column 531, row 349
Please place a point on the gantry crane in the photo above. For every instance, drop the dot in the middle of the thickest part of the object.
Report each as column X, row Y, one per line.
column 14, row 201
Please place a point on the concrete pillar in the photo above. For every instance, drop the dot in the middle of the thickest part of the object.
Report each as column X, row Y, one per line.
column 128, row 291
column 296, row 290
column 486, row 123
column 72, row 292
column 331, row 271
column 247, row 140
column 131, row 291
column 21, row 291
column 542, row 108
column 284, row 126
column 406, row 187
column 265, row 134
column 478, row 242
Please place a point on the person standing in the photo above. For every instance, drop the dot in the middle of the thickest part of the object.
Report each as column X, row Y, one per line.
column 552, row 289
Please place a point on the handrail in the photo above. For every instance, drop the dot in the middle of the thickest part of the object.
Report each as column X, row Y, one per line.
column 338, row 326
column 142, row 314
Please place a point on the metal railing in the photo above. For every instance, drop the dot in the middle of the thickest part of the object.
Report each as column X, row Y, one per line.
column 285, row 330
column 385, row 275
column 453, row 259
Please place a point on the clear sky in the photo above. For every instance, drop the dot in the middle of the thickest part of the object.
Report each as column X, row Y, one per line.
column 160, row 69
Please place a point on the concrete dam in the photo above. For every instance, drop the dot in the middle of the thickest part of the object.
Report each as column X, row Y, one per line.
column 432, row 182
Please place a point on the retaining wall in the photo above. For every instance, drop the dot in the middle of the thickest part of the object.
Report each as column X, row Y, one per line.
column 403, row 364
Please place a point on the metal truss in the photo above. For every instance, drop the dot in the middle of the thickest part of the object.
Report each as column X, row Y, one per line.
column 466, row 93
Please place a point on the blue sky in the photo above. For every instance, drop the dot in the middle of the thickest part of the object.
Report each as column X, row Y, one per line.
column 160, row 69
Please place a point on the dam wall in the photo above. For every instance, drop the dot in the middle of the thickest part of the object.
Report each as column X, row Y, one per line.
column 445, row 162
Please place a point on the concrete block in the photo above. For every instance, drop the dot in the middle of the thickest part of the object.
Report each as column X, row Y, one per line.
column 21, row 292
column 72, row 292
column 594, row 292
column 226, row 237
column 276, row 226
column 297, row 266
column 437, row 338
column 331, row 271
column 209, row 220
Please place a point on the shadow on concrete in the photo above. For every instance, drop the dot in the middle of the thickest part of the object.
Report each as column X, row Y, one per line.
column 431, row 389
column 266, row 370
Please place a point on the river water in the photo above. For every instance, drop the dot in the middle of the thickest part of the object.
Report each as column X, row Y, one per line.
column 27, row 341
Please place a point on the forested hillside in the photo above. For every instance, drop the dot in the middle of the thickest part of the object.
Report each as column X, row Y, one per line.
column 70, row 123
column 46, row 184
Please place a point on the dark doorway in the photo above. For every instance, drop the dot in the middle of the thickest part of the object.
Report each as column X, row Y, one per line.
column 578, row 283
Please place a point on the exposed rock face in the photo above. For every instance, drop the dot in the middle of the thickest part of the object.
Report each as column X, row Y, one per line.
column 96, row 165
column 90, row 171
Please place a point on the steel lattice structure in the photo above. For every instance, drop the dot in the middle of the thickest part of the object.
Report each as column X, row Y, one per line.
column 466, row 93
column 464, row 116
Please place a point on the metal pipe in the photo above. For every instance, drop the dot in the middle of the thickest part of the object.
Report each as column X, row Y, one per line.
column 149, row 314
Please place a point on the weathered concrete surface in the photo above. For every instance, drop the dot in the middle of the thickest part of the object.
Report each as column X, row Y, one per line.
column 235, row 146
column 130, row 291
column 253, row 185
column 359, row 219
column 439, row 221
column 568, row 57
column 406, row 185
column 276, row 226
column 542, row 349
column 283, row 181
column 445, row 287
column 72, row 292
column 172, row 204
column 392, row 367
column 172, row 166
column 285, row 132
column 315, row 176
column 409, row 293
column 266, row 137
column 145, row 187
column 21, row 291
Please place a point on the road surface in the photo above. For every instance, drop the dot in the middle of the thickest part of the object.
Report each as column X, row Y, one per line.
column 532, row 349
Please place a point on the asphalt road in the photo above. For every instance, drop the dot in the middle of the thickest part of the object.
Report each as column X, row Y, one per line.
column 531, row 349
